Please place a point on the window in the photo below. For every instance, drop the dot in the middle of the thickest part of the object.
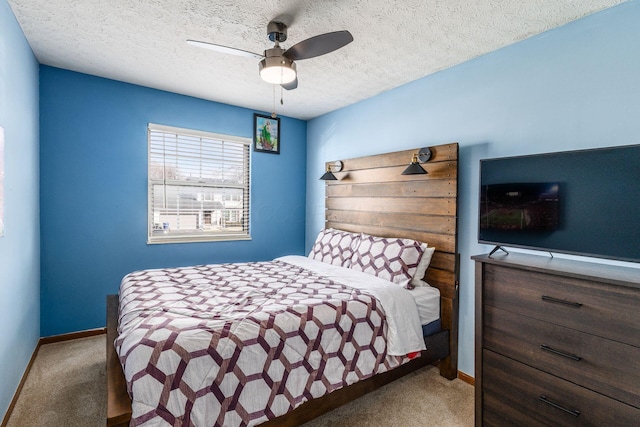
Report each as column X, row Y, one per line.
column 198, row 186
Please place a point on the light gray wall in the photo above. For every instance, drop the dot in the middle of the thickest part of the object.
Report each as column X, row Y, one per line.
column 570, row 88
column 20, row 246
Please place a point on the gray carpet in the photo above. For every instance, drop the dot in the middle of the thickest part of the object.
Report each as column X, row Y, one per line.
column 66, row 387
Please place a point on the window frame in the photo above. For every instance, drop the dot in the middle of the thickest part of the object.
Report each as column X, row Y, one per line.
column 211, row 236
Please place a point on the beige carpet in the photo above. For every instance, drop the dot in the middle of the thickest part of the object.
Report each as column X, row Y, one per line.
column 66, row 387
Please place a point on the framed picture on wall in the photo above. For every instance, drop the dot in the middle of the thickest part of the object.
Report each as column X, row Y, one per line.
column 266, row 134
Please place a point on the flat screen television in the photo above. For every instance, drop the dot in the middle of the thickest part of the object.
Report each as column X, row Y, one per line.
column 584, row 202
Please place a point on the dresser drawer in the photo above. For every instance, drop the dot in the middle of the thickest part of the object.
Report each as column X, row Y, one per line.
column 516, row 394
column 610, row 367
column 592, row 307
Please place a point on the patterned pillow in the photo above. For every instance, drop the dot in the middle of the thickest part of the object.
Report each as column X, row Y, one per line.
column 334, row 247
column 393, row 259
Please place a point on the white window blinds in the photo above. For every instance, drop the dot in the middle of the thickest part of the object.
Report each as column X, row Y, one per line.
column 198, row 186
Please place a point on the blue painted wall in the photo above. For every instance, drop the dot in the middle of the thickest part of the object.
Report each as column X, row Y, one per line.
column 575, row 87
column 94, row 191
column 20, row 246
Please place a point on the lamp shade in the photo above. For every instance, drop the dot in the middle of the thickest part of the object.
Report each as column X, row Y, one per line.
column 414, row 168
column 328, row 176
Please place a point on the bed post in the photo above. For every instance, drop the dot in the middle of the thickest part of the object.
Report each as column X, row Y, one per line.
column 449, row 365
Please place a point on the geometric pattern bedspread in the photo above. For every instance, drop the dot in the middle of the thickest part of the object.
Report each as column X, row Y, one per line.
column 239, row 344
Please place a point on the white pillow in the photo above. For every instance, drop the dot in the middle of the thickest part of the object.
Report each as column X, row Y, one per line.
column 422, row 268
column 392, row 259
column 334, row 247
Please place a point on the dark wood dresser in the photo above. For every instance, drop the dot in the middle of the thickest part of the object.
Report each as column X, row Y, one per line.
column 557, row 342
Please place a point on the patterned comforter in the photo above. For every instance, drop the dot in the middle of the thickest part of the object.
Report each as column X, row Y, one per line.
column 239, row 344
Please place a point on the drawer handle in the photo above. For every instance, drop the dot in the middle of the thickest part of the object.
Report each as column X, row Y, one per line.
column 573, row 412
column 561, row 301
column 560, row 353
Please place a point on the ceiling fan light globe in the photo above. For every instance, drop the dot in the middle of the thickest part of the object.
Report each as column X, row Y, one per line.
column 277, row 70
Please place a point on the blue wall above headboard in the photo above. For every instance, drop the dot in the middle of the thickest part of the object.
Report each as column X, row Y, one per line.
column 93, row 182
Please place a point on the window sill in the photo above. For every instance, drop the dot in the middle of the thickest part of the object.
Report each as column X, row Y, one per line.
column 199, row 239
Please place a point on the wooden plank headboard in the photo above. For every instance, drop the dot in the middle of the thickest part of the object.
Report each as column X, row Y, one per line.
column 372, row 196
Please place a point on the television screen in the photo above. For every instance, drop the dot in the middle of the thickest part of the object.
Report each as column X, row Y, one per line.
column 519, row 206
column 584, row 202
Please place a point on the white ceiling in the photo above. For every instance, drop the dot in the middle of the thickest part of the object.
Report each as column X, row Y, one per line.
column 144, row 42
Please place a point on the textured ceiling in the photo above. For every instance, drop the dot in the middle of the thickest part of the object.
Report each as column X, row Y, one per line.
column 144, row 42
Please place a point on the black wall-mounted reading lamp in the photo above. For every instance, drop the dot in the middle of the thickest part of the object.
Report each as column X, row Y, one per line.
column 421, row 157
column 331, row 168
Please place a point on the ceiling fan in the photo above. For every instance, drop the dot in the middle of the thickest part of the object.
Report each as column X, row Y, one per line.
column 277, row 65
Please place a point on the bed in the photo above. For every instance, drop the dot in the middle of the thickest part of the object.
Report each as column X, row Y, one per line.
column 306, row 334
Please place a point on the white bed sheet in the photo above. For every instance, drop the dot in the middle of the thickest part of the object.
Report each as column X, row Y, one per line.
column 404, row 334
column 428, row 303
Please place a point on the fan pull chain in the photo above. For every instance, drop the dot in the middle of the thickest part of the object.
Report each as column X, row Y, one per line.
column 281, row 92
column 273, row 113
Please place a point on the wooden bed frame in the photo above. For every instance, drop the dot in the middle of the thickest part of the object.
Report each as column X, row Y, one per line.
column 370, row 196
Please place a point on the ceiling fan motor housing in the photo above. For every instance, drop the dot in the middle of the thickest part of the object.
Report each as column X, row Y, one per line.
column 277, row 31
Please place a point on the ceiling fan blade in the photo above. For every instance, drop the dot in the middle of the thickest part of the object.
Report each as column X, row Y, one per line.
column 319, row 45
column 292, row 85
column 225, row 49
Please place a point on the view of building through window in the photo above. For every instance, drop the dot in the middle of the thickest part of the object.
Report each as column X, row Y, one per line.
column 188, row 208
